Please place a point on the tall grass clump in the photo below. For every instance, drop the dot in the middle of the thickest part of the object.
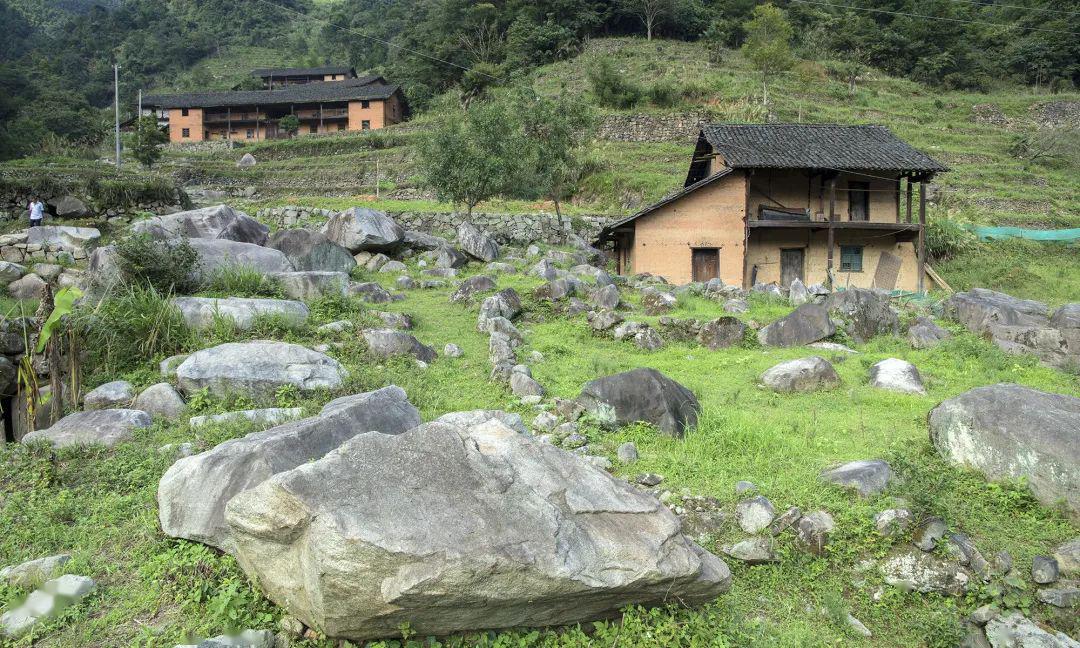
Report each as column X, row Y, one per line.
column 238, row 280
column 946, row 238
column 165, row 266
column 127, row 327
column 612, row 89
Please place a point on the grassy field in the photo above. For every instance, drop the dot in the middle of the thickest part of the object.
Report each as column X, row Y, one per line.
column 100, row 505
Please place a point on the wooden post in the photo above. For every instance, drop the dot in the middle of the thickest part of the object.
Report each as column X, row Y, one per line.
column 898, row 199
column 320, row 117
column 922, row 237
column 831, row 231
column 257, row 122
column 909, row 199
column 228, row 125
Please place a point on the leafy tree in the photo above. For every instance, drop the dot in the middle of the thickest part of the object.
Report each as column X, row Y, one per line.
column 290, row 124
column 558, row 131
column 768, row 44
column 611, row 88
column 649, row 12
column 148, row 141
column 475, row 153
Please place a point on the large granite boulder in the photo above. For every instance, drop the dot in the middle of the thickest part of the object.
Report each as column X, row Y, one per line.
column 979, row 308
column 30, row 286
column 641, row 395
column 721, row 333
column 69, row 238
column 477, row 244
column 504, row 303
column 98, row 427
column 865, row 313
column 802, row 375
column 364, row 230
column 924, row 333
column 118, row 393
column 217, row 222
column 453, row 529
column 312, row 284
column 1015, row 630
column 310, row 250
column 385, row 343
column 215, row 254
column 10, row 272
column 897, row 375
column 1009, row 431
column 807, row 323
column 257, row 369
column 194, row 491
column 68, row 206
column 1066, row 316
column 200, row 312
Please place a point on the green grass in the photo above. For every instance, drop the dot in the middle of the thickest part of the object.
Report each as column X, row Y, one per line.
column 99, row 505
column 1043, row 271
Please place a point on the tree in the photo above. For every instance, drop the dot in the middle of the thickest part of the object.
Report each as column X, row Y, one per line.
column 649, row 12
column 148, row 141
column 475, row 153
column 558, row 131
column 290, row 124
column 611, row 88
column 768, row 43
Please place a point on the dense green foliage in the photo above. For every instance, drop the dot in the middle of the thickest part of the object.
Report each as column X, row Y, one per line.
column 56, row 74
column 165, row 266
column 147, row 141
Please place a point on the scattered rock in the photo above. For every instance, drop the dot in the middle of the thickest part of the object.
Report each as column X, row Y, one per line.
column 722, row 333
column 657, row 302
column 736, row 306
column 471, row 286
column 310, row 250
column 649, row 479
column 744, row 487
column 370, row 292
column 47, row 601
column 859, row 627
column 917, row 571
column 867, row 477
column 924, row 333
column 641, row 395
column 452, row 350
column 423, row 241
column 1008, row 431
column 217, row 222
column 161, row 400
column 34, row 572
column 802, row 375
column 201, row 312
column 755, row 514
column 106, row 427
column 364, row 230
column 477, row 244
column 504, row 303
column 247, row 160
column 627, row 453
column 394, row 320
column 118, row 393
column 10, row 272
column 866, row 313
column 785, row 521
column 258, row 369
column 437, row 485
column 753, row 551
column 1018, row 631
column 479, row 417
column 1063, row 596
column 892, row 522
column 312, row 284
column 69, row 206
column 648, row 340
column 1044, row 570
column 797, row 293
column 168, row 365
column 604, row 320
column 30, row 286
column 522, row 383
column 385, row 343
column 218, row 254
column 1068, row 557
column 393, row 266
column 807, row 323
column 897, row 375
column 813, row 531
column 928, row 533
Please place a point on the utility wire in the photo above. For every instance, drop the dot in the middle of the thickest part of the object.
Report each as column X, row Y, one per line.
column 940, row 18
column 979, row 3
column 379, row 40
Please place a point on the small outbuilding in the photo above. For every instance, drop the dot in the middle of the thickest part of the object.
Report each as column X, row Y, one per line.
column 771, row 203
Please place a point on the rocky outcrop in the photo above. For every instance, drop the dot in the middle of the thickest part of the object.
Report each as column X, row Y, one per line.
column 194, row 491
column 217, row 222
column 477, row 244
column 215, row 254
column 257, row 369
column 807, row 323
column 364, row 230
column 894, row 374
column 802, row 375
column 385, row 343
column 979, row 309
column 460, row 537
column 864, row 313
column 312, row 284
column 98, row 427
column 200, row 312
column 1009, row 431
column 642, row 395
column 310, row 250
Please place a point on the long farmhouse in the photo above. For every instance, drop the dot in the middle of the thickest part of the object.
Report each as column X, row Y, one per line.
column 771, row 203
column 325, row 100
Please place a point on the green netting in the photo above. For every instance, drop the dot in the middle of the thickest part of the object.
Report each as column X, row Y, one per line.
column 1063, row 235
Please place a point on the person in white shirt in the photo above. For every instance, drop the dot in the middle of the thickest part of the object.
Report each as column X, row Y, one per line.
column 37, row 212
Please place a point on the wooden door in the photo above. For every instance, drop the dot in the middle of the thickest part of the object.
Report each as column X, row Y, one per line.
column 858, row 201
column 705, row 264
column 791, row 265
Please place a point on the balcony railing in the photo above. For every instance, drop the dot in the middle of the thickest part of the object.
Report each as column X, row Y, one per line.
column 236, row 117
column 329, row 113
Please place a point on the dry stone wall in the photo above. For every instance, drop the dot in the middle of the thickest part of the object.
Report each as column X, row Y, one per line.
column 519, row 229
column 651, row 128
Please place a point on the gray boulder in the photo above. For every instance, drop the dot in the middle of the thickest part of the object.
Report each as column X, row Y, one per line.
column 865, row 313
column 30, row 286
column 1009, row 431
column 606, row 297
column 464, row 518
column 10, row 272
column 217, row 222
column 216, row 254
column 1068, row 557
column 68, row 206
column 1017, row 631
column 523, row 385
column 394, row 320
column 448, row 257
column 117, row 393
column 34, row 572
column 477, row 244
column 364, row 230
column 979, row 309
column 867, row 477
column 45, row 602
column 200, row 312
column 722, row 333
column 924, row 333
column 370, row 292
column 194, row 491
column 246, row 161
column 1066, row 317
column 261, row 417
column 504, row 303
column 258, row 369
column 897, row 375
column 642, row 395
column 477, row 284
column 802, row 375
column 69, row 238
column 473, row 418
column 385, row 343
column 312, row 284
column 797, row 293
column 98, row 427
column 912, row 570
column 161, row 400
column 807, row 323
column 310, row 250
column 48, row 271
column 657, row 302
column 423, row 241
column 755, row 514
column 754, row 551
column 604, row 320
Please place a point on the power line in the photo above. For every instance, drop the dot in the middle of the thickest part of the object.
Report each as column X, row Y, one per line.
column 380, row 40
column 978, row 3
column 940, row 18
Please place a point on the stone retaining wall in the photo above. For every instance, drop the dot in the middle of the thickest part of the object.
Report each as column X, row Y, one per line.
column 651, row 128
column 520, row 229
column 13, row 208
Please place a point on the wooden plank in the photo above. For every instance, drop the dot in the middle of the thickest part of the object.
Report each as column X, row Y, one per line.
column 930, row 272
column 887, row 272
column 909, row 199
column 898, row 200
column 832, row 232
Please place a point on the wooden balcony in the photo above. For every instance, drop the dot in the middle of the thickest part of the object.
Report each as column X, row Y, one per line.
column 219, row 118
column 328, row 113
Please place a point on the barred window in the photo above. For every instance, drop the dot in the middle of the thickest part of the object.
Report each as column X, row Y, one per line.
column 851, row 258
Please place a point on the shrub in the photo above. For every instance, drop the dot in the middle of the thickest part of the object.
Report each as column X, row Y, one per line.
column 126, row 328
column 664, row 94
column 611, row 88
column 166, row 266
column 237, row 280
column 946, row 238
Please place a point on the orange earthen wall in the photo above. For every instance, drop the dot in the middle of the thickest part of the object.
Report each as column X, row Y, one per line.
column 711, row 217
column 193, row 121
column 374, row 113
column 797, row 190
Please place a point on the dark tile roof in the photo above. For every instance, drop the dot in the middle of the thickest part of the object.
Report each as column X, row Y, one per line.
column 349, row 89
column 303, row 71
column 815, row 146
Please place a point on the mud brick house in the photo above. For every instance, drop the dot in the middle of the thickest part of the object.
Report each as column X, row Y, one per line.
column 774, row 202
column 322, row 106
